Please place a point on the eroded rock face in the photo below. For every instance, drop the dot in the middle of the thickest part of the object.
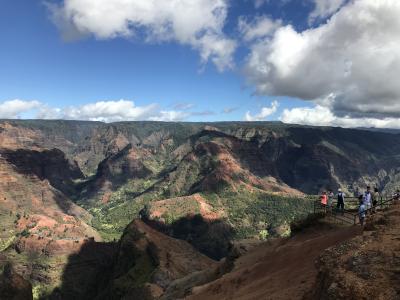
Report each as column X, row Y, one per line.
column 125, row 165
column 14, row 286
column 142, row 265
column 51, row 165
column 301, row 158
column 366, row 267
column 41, row 226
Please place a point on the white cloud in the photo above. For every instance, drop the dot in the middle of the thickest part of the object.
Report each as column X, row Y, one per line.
column 259, row 27
column 353, row 60
column 325, row 8
column 318, row 115
column 109, row 111
column 12, row 109
column 105, row 111
column 46, row 112
column 263, row 114
column 322, row 116
column 170, row 116
column 197, row 23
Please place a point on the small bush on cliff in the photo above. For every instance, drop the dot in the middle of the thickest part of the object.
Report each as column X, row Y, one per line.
column 263, row 235
column 25, row 233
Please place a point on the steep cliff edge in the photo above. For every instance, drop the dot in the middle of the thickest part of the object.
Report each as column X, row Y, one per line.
column 144, row 264
column 41, row 226
column 281, row 269
column 366, row 267
column 324, row 262
column 13, row 286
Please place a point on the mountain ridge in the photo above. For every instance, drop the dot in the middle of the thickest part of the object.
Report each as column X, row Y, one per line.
column 96, row 178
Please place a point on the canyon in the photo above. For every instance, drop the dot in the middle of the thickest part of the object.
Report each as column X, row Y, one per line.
column 155, row 209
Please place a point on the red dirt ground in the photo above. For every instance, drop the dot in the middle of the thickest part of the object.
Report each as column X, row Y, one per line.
column 282, row 269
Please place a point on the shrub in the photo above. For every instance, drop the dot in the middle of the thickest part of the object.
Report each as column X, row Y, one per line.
column 25, row 233
column 263, row 235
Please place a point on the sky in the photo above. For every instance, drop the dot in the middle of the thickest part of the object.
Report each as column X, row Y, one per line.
column 314, row 62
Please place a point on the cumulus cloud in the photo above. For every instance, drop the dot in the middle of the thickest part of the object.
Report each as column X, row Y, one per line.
column 104, row 111
column 350, row 65
column 322, row 116
column 324, row 9
column 263, row 114
column 12, row 109
column 109, row 111
column 258, row 27
column 319, row 115
column 197, row 23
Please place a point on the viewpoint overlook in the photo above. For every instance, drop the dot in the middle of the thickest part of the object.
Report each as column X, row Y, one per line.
column 200, row 150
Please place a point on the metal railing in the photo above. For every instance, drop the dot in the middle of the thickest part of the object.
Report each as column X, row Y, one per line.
column 350, row 216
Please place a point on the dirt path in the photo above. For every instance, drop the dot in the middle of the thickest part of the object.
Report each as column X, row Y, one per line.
column 283, row 269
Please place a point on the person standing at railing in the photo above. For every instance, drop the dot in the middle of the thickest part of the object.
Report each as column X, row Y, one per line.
column 340, row 201
column 367, row 198
column 331, row 195
column 361, row 210
column 324, row 201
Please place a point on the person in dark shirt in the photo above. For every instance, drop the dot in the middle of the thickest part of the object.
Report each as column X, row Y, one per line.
column 340, row 201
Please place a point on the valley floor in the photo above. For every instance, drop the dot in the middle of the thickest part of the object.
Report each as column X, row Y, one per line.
column 282, row 269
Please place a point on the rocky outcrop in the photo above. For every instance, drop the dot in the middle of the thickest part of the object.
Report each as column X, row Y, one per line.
column 50, row 165
column 279, row 269
column 144, row 264
column 366, row 267
column 41, row 226
column 127, row 164
column 13, row 286
column 170, row 210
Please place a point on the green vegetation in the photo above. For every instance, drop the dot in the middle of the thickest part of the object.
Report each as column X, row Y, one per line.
column 5, row 243
column 8, row 233
column 263, row 234
column 44, row 266
column 168, row 160
column 251, row 212
column 137, row 276
column 24, row 233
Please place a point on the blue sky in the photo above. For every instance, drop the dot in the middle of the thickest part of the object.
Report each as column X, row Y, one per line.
column 179, row 74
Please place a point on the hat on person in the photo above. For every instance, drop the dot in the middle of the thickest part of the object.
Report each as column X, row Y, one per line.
column 339, row 189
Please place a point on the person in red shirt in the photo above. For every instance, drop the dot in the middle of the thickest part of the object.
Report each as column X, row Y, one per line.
column 324, row 201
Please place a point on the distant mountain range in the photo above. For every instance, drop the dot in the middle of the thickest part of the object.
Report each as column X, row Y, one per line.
column 387, row 130
column 67, row 183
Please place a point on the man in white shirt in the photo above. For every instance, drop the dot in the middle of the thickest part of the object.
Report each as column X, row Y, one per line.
column 367, row 199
